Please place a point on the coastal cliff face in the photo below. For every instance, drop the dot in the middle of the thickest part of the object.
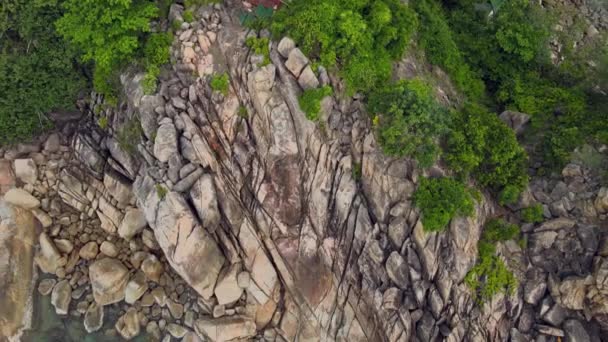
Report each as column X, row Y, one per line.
column 232, row 217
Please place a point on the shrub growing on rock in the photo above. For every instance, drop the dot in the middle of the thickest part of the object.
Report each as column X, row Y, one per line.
column 411, row 122
column 440, row 200
column 260, row 46
column 532, row 214
column 361, row 37
column 310, row 101
column 481, row 145
column 220, row 83
column 490, row 275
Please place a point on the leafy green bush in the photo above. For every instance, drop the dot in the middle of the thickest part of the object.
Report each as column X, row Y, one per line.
column 220, row 83
column 106, row 31
column 157, row 49
column 188, row 16
column 436, row 39
column 310, row 101
column 410, row 122
column 157, row 52
column 490, row 275
column 440, row 200
column 260, row 47
column 361, row 37
column 103, row 122
column 481, row 145
column 38, row 72
column 532, row 214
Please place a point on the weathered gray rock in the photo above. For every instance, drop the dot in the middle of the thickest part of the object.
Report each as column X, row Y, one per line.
column 176, row 330
column 26, row 170
column 187, row 182
column 21, row 198
column 42, row 217
column 61, row 297
column 225, row 328
column 109, row 249
column 132, row 224
column 574, row 331
column 165, row 144
column 227, row 289
column 555, row 315
column 515, row 120
column 152, row 268
column 308, row 79
column 52, row 143
column 48, row 257
column 183, row 240
column 87, row 151
column 136, row 287
column 286, row 45
column 204, row 198
column 118, row 187
column 46, row 286
column 397, row 270
column 93, row 318
column 109, row 279
column 89, row 251
column 128, row 324
column 296, row 62
column 534, row 287
column 601, row 201
column 147, row 114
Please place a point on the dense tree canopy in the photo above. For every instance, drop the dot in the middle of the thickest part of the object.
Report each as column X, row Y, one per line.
column 39, row 71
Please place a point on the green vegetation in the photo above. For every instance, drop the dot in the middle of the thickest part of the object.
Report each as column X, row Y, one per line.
column 410, row 122
column 490, row 276
column 310, row 101
column 260, row 47
column 440, row 200
column 38, row 70
column 436, row 40
column 243, row 112
column 532, row 214
column 220, row 83
column 188, row 16
column 360, row 37
column 176, row 24
column 481, row 145
column 107, row 32
column 156, row 53
column 509, row 50
column 129, row 135
column 103, row 122
column 161, row 191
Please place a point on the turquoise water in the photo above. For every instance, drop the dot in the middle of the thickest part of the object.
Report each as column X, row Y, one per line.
column 47, row 326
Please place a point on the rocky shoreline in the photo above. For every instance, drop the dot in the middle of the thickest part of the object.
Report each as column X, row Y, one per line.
column 236, row 218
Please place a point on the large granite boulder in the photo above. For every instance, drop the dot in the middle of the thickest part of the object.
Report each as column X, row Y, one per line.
column 109, row 279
